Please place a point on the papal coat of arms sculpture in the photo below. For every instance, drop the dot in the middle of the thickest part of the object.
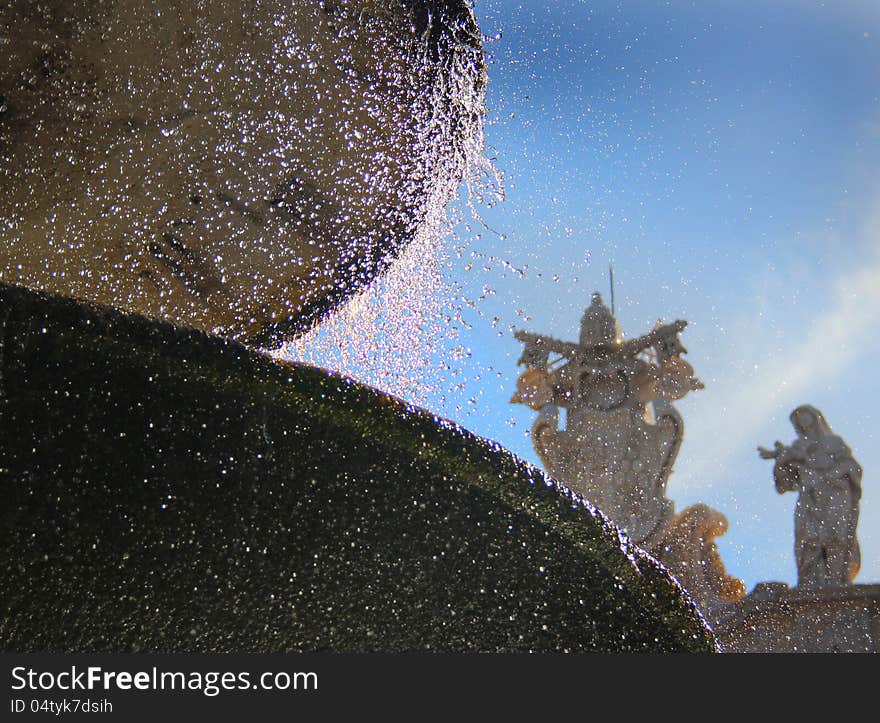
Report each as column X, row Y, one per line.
column 621, row 436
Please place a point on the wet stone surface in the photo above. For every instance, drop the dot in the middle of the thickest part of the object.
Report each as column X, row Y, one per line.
column 238, row 167
column 164, row 490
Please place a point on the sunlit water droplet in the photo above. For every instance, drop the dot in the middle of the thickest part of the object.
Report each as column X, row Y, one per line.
column 397, row 334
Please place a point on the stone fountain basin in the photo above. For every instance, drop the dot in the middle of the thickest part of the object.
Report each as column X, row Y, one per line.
column 166, row 490
column 233, row 166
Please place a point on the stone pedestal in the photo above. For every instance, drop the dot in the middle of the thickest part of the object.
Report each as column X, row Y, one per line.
column 774, row 618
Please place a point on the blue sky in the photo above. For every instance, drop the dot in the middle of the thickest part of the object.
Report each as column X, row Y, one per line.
column 723, row 156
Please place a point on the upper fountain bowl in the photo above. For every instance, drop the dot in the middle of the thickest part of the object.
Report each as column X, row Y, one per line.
column 237, row 167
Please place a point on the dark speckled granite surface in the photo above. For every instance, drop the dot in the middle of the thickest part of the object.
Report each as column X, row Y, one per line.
column 163, row 490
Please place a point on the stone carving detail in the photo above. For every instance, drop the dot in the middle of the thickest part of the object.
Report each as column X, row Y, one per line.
column 621, row 437
column 821, row 468
column 622, row 434
column 688, row 549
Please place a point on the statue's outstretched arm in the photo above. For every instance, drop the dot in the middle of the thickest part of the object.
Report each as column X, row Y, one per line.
column 777, row 453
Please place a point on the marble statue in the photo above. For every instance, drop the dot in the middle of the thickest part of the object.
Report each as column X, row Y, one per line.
column 821, row 468
column 621, row 434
